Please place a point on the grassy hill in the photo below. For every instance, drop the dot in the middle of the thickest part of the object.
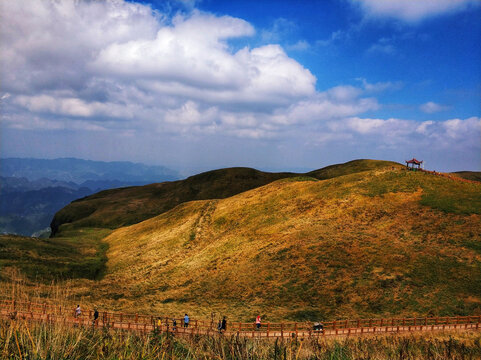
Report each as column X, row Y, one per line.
column 469, row 175
column 379, row 242
column 126, row 206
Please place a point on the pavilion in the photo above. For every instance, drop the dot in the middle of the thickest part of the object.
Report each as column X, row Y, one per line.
column 414, row 162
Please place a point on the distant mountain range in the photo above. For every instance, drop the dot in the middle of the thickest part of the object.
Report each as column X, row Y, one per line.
column 33, row 190
column 80, row 171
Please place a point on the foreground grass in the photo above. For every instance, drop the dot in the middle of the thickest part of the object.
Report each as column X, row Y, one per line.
column 21, row 340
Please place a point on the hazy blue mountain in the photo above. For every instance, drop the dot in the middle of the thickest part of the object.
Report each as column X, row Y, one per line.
column 33, row 190
column 79, row 171
column 26, row 211
column 9, row 184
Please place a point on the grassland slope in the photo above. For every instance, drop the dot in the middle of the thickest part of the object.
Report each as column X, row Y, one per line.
column 469, row 175
column 383, row 242
column 119, row 207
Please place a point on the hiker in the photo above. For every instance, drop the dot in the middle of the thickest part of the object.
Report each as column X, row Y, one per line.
column 174, row 325
column 223, row 325
column 159, row 323
column 219, row 326
column 258, row 321
column 78, row 311
column 96, row 316
column 186, row 320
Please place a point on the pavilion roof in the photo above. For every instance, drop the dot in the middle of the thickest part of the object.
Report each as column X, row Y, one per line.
column 414, row 161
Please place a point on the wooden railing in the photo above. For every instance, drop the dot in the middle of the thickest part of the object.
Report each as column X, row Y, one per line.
column 30, row 311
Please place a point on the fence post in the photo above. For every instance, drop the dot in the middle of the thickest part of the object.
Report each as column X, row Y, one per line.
column 296, row 329
column 282, row 330
column 268, row 328
column 136, row 318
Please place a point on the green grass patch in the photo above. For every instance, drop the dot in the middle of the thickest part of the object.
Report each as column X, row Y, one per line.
column 79, row 255
column 438, row 192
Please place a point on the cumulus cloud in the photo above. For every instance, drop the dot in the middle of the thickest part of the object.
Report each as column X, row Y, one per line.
column 431, row 107
column 124, row 66
column 412, row 10
column 121, row 68
column 397, row 133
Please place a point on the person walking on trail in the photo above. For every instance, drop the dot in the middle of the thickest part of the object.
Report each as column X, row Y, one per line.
column 78, row 311
column 223, row 327
column 258, row 321
column 186, row 320
column 96, row 316
column 219, row 326
column 174, row 325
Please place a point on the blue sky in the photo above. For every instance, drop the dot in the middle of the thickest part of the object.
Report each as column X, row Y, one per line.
column 275, row 85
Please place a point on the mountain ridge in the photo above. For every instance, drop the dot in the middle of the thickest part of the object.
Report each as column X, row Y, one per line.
column 104, row 209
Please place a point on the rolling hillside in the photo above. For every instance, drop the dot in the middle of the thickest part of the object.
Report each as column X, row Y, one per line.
column 126, row 206
column 380, row 242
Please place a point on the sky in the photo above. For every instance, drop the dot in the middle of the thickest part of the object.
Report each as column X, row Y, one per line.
column 275, row 85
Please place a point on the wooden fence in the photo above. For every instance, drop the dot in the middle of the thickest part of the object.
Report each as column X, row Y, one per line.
column 30, row 311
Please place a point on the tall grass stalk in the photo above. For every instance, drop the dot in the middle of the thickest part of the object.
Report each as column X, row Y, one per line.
column 24, row 340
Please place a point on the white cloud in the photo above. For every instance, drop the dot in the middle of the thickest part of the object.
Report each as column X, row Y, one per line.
column 412, row 10
column 447, row 134
column 380, row 86
column 301, row 45
column 431, row 107
column 122, row 66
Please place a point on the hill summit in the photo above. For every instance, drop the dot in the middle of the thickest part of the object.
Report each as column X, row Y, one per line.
column 126, row 206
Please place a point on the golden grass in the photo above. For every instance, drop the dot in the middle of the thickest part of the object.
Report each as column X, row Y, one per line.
column 298, row 250
column 361, row 245
column 22, row 340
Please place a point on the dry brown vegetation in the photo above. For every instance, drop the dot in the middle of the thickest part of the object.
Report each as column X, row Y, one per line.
column 300, row 249
column 23, row 340
column 384, row 242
